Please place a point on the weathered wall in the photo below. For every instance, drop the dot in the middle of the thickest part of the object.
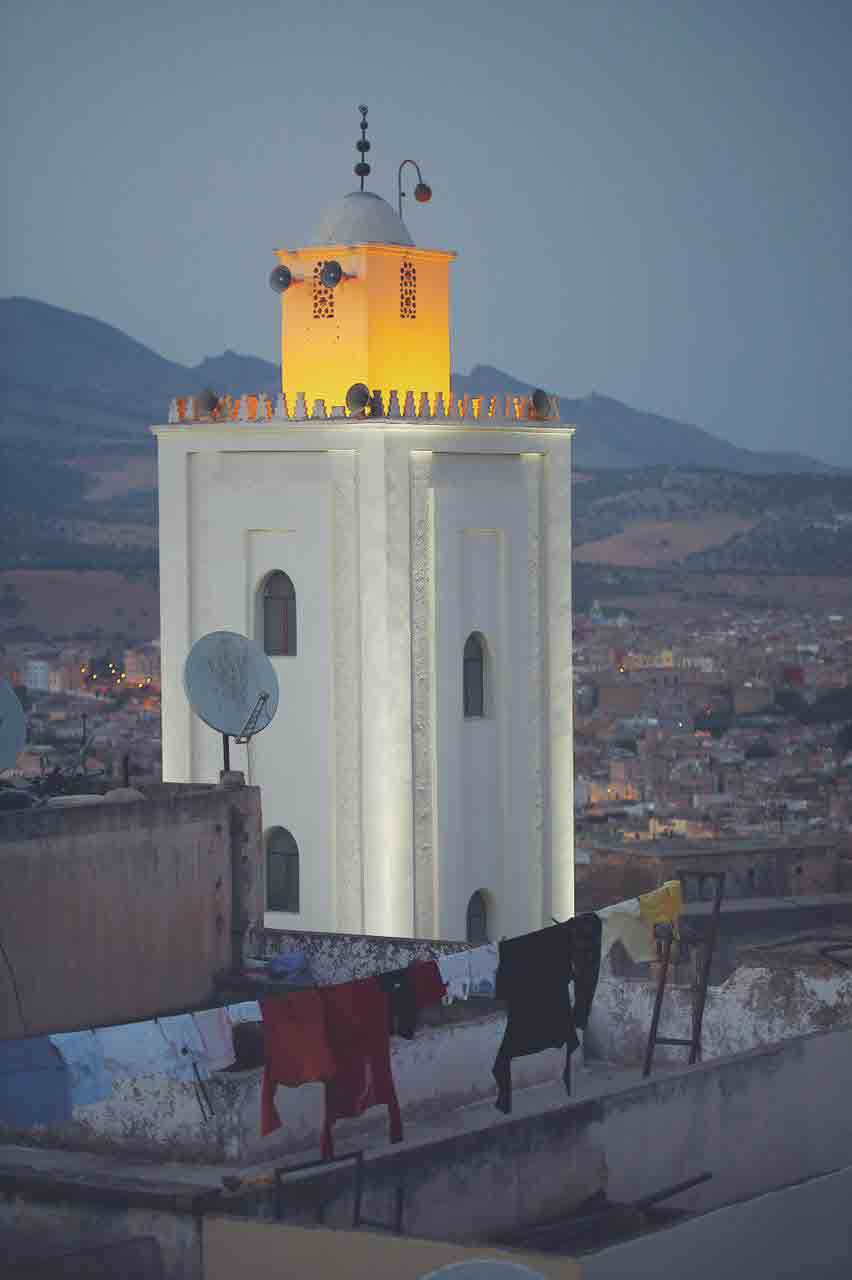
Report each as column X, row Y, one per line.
column 449, row 1062
column 153, row 1116
column 69, row 1214
column 757, row 1121
column 341, row 957
column 755, row 1006
column 118, row 911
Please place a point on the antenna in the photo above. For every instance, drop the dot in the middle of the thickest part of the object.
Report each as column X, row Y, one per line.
column 231, row 685
column 13, row 726
column 363, row 146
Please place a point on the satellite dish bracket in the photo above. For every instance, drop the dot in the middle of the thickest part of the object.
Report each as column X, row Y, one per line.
column 250, row 726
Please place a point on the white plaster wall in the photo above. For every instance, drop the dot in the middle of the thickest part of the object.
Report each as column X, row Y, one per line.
column 251, row 513
column 556, row 533
column 400, row 540
column 484, row 784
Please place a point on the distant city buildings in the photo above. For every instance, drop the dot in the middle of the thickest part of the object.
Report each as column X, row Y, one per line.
column 87, row 713
column 689, row 731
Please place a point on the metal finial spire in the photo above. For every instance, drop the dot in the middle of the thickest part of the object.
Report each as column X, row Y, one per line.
column 362, row 168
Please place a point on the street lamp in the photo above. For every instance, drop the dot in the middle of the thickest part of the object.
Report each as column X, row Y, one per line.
column 422, row 192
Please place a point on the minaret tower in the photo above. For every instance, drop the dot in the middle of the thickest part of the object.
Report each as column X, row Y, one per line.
column 363, row 304
column 403, row 555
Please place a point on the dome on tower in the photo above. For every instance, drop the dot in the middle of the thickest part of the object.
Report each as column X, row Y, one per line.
column 361, row 217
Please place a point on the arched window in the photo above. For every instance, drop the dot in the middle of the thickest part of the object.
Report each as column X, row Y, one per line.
column 279, row 615
column 473, row 676
column 477, row 918
column 282, row 871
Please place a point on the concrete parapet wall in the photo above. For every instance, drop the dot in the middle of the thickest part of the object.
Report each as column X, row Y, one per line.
column 757, row 1121
column 154, row 1116
column 342, row 957
column 729, row 1241
column 119, row 911
column 42, row 1219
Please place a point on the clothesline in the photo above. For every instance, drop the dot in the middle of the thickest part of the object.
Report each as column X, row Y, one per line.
column 339, row 1035
column 189, row 1047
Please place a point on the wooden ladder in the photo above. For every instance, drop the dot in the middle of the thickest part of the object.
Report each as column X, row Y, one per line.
column 707, row 944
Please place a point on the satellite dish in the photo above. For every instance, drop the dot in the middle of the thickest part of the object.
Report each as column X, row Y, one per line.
column 331, row 274
column 541, row 404
column 357, row 397
column 280, row 279
column 13, row 726
column 231, row 685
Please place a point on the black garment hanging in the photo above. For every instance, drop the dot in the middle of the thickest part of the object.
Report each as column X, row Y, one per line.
column 402, row 1001
column 532, row 978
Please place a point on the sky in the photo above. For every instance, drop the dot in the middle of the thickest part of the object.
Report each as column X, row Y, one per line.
column 650, row 199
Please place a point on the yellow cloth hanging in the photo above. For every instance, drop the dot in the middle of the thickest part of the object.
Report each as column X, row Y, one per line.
column 632, row 922
column 663, row 905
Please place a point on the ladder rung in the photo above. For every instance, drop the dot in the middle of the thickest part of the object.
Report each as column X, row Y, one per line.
column 672, row 1040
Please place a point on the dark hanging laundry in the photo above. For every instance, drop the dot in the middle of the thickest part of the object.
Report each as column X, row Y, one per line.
column 532, row 978
column 409, row 990
column 402, row 1005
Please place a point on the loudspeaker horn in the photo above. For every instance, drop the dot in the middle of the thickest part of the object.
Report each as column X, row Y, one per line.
column 280, row 279
column 357, row 398
column 541, row 403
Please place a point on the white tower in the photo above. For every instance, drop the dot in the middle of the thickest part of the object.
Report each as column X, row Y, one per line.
column 407, row 567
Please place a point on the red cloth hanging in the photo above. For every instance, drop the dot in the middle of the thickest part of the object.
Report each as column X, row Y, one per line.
column 296, row 1048
column 357, row 1020
column 428, row 985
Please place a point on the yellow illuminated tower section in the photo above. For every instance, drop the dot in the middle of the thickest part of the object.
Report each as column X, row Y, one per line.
column 363, row 304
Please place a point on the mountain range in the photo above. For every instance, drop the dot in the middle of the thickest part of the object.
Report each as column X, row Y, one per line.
column 75, row 384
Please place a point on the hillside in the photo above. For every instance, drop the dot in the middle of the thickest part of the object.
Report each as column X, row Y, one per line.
column 612, row 434
column 77, row 459
column 79, row 382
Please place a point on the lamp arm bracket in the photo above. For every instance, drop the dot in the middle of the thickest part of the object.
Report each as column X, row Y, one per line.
column 399, row 190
